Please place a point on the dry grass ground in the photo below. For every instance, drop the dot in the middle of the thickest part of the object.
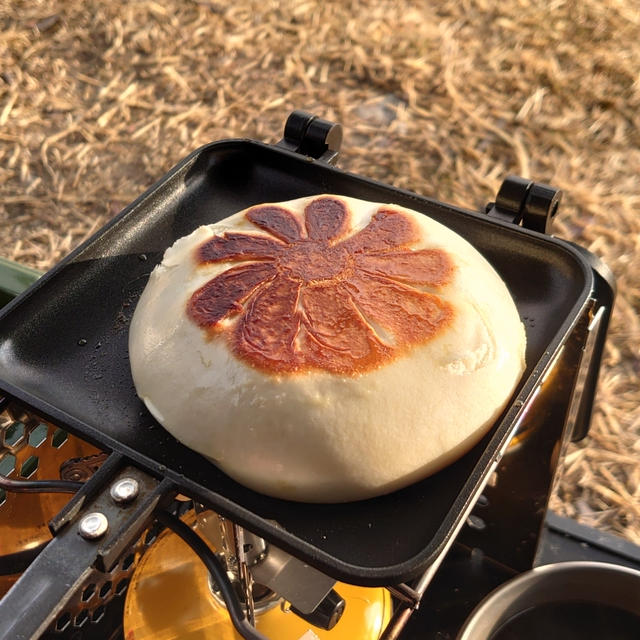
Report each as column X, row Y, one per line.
column 99, row 99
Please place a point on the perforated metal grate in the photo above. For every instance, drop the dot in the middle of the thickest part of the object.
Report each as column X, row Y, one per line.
column 89, row 604
column 30, row 448
column 104, row 591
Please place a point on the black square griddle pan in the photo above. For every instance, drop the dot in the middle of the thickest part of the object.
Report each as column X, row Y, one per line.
column 63, row 352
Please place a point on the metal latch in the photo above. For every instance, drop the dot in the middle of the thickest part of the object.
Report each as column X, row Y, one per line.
column 312, row 136
column 524, row 201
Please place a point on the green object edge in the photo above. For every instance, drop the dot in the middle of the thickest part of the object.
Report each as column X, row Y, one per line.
column 15, row 278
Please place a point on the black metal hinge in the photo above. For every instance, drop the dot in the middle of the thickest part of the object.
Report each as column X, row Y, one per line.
column 524, row 201
column 312, row 136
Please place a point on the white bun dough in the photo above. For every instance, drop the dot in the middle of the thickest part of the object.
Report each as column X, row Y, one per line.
column 316, row 433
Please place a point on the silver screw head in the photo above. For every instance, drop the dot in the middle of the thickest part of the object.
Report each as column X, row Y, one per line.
column 124, row 490
column 93, row 526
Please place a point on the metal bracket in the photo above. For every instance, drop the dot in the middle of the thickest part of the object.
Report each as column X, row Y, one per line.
column 523, row 201
column 61, row 568
column 312, row 136
column 604, row 292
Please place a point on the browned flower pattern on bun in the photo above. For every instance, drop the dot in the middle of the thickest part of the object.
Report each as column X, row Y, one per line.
column 319, row 299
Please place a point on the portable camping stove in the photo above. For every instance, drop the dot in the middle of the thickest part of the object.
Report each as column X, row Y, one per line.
column 444, row 542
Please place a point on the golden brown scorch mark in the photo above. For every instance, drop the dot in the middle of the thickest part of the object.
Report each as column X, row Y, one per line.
column 315, row 298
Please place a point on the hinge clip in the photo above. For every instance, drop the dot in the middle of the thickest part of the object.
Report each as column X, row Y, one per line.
column 522, row 201
column 312, row 136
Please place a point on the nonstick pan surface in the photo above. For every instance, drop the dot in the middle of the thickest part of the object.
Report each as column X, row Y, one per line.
column 63, row 352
